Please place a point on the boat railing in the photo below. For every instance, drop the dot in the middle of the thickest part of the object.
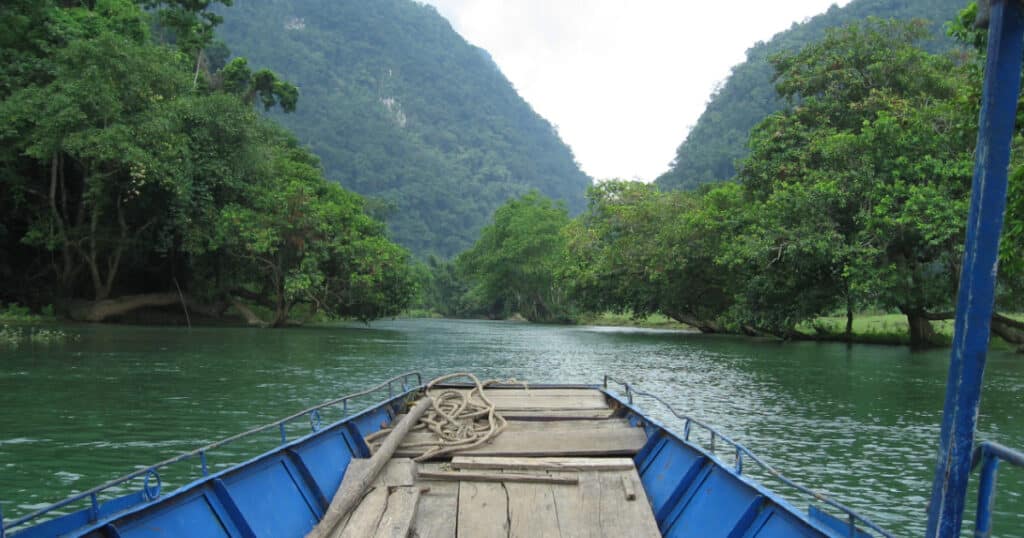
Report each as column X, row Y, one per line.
column 989, row 454
column 741, row 452
column 151, row 482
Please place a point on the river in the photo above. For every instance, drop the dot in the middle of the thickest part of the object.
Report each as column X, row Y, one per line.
column 857, row 422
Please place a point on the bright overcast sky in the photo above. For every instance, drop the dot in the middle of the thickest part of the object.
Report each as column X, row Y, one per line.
column 624, row 80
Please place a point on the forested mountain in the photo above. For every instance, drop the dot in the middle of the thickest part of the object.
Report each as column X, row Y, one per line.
column 719, row 138
column 401, row 108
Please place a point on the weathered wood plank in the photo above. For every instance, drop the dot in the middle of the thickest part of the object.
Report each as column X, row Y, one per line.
column 532, row 511
column 577, row 507
column 483, row 510
column 621, row 518
column 492, row 391
column 364, row 519
column 512, row 399
column 482, row 476
column 602, row 442
column 437, row 511
column 397, row 472
column 557, row 414
column 401, row 510
column 628, row 488
column 353, row 486
column 561, row 427
column 542, row 464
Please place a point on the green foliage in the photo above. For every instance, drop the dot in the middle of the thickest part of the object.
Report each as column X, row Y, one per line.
column 640, row 251
column 125, row 169
column 860, row 189
column 512, row 267
column 400, row 108
column 718, row 140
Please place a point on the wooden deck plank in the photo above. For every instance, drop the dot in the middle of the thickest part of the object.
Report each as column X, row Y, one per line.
column 557, row 414
column 399, row 514
column 397, row 472
column 542, row 464
column 620, row 517
column 493, row 391
column 497, row 476
column 437, row 511
column 577, row 507
column 483, row 510
column 559, row 427
column 365, row 518
column 532, row 511
column 513, row 399
column 600, row 442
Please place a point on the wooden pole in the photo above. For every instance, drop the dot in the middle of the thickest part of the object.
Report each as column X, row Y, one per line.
column 351, row 490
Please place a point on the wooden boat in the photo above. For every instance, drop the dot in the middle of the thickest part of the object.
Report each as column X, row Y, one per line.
column 573, row 460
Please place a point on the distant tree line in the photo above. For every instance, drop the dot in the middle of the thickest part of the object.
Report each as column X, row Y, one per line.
column 853, row 197
column 135, row 171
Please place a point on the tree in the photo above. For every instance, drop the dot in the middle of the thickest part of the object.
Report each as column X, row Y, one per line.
column 869, row 168
column 512, row 267
column 123, row 180
column 640, row 251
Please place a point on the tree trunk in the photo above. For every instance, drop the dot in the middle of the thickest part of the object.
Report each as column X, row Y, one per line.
column 921, row 332
column 703, row 326
column 849, row 320
column 101, row 310
column 1009, row 329
column 247, row 314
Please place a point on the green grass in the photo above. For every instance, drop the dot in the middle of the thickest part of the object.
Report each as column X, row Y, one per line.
column 22, row 314
column 654, row 321
column 874, row 328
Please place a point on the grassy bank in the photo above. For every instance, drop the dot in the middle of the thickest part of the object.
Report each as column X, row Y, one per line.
column 873, row 329
column 656, row 321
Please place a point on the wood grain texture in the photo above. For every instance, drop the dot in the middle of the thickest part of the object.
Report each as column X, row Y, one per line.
column 541, row 464
column 396, row 522
column 438, row 510
column 485, row 476
column 597, row 442
column 532, row 511
column 364, row 519
column 483, row 510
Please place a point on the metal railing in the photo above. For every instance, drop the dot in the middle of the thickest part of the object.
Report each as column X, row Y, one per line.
column 853, row 517
column 151, row 491
column 989, row 454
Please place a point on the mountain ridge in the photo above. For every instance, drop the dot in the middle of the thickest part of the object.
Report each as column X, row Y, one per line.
column 402, row 108
column 718, row 139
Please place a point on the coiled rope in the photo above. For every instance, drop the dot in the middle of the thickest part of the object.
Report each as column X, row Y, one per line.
column 459, row 419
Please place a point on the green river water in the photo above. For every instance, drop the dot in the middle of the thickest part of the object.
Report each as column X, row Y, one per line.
column 858, row 422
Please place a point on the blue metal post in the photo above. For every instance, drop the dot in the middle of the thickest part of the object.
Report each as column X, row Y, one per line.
column 986, row 495
column 978, row 274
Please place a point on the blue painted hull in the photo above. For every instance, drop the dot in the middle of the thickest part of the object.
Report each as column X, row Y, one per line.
column 284, row 492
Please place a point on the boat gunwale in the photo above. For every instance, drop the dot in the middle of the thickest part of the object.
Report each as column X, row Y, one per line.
column 193, row 487
column 189, row 487
column 776, row 498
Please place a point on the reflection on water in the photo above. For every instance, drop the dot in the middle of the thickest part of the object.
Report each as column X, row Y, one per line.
column 857, row 422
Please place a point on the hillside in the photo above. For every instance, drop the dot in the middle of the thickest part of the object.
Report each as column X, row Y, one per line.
column 719, row 138
column 401, row 108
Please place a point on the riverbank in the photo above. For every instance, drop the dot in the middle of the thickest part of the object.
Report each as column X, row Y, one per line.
column 869, row 328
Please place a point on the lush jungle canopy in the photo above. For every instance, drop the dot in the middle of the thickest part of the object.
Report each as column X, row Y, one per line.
column 135, row 170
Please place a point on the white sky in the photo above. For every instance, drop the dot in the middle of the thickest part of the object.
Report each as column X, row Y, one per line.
column 623, row 80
